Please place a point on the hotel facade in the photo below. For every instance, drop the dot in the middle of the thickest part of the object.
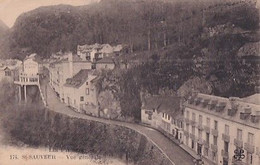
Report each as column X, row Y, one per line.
column 216, row 127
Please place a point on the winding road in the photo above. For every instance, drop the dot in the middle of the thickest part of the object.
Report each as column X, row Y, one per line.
column 171, row 150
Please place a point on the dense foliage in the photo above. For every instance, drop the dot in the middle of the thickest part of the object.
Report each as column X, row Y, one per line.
column 143, row 25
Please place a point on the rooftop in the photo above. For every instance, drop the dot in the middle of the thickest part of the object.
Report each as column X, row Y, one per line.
column 107, row 60
column 245, row 111
column 165, row 104
column 80, row 78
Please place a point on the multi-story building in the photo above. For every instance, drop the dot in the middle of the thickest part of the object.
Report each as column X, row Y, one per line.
column 216, row 127
column 80, row 92
column 63, row 69
column 28, row 76
column 163, row 113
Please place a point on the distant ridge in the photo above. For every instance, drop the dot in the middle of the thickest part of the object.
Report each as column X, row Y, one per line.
column 3, row 26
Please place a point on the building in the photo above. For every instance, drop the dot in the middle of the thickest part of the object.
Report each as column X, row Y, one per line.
column 28, row 76
column 9, row 70
column 80, row 92
column 216, row 127
column 164, row 114
column 61, row 70
column 96, row 51
column 106, row 63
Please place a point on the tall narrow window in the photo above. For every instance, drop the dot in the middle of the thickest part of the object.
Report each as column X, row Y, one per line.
column 250, row 138
column 207, row 138
column 226, row 129
column 200, row 120
column 193, row 117
column 87, row 91
column 215, row 140
column 208, row 122
column 215, row 124
column 187, row 114
column 193, row 130
column 239, row 134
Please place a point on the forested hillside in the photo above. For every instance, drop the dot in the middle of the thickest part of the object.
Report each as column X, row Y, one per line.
column 144, row 25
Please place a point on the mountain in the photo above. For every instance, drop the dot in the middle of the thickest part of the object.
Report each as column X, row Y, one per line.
column 142, row 24
column 3, row 27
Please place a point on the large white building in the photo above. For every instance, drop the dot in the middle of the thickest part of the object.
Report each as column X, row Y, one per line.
column 214, row 127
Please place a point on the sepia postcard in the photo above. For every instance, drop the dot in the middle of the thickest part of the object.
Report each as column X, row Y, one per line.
column 129, row 82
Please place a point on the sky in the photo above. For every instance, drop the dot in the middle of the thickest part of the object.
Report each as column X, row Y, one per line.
column 11, row 9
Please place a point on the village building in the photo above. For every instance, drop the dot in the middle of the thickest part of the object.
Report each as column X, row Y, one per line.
column 28, row 76
column 106, row 63
column 61, row 70
column 96, row 51
column 164, row 114
column 217, row 127
column 80, row 92
column 9, row 69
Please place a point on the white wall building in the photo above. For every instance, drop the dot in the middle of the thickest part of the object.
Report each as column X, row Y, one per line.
column 215, row 127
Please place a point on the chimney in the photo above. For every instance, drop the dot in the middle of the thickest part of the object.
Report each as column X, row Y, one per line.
column 70, row 59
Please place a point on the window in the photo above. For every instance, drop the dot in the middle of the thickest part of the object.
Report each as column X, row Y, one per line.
column 192, row 144
column 187, row 127
column 226, row 146
column 200, row 134
column 193, row 130
column 86, row 83
column 250, row 138
column 206, row 151
column 81, row 98
column 163, row 115
column 207, row 138
column 200, row 120
column 215, row 140
column 208, row 122
column 87, row 91
column 249, row 157
column 193, row 116
column 7, row 73
column 215, row 124
column 239, row 134
column 187, row 114
column 214, row 156
column 226, row 129
column 169, row 117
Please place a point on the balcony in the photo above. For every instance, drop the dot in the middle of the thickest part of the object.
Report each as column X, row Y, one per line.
column 224, row 154
column 207, row 129
column 25, row 79
column 214, row 148
column 238, row 143
column 249, row 147
column 214, row 132
column 225, row 138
